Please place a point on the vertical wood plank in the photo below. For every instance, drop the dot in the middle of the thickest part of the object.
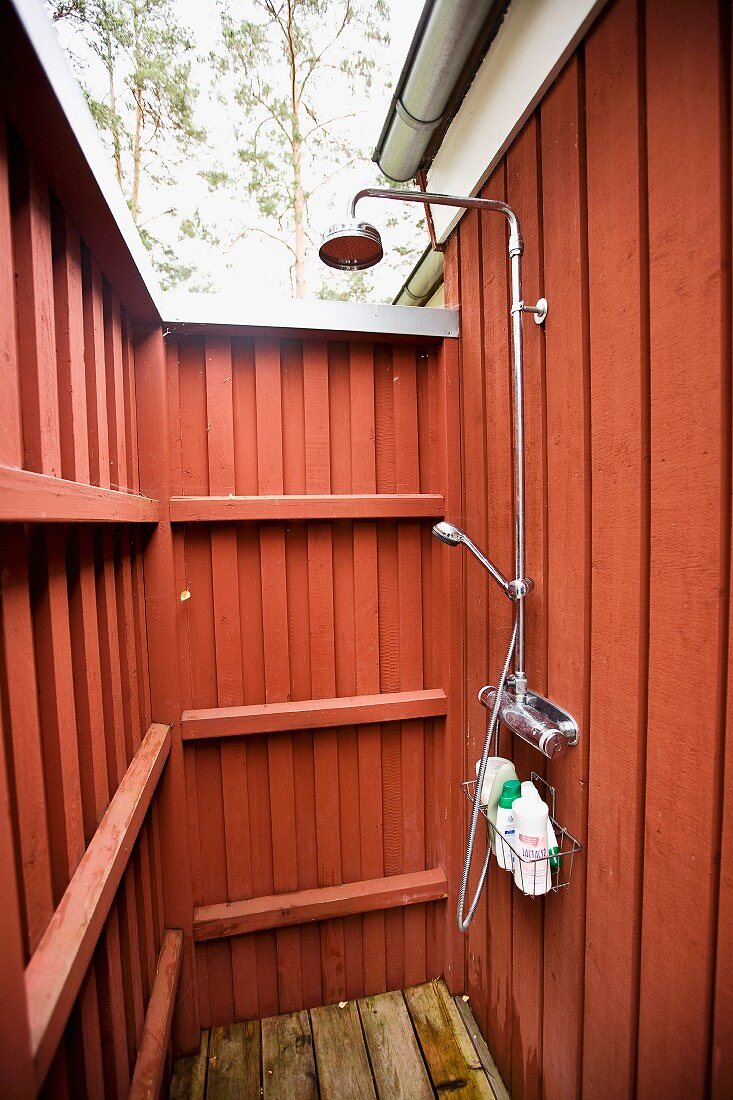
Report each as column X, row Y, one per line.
column 95, row 370
column 689, row 517
column 523, row 192
column 229, row 673
column 411, row 668
column 35, row 319
column 115, row 389
column 568, row 460
column 87, row 681
column 18, row 1073
column 11, row 439
column 132, row 475
column 57, row 706
column 276, row 657
column 484, row 989
column 69, row 322
column 450, row 759
column 323, row 671
column 253, row 649
column 618, row 302
column 25, row 736
column 344, row 601
column 108, row 970
column 155, row 430
column 366, row 607
column 92, row 760
column 389, row 671
column 296, row 567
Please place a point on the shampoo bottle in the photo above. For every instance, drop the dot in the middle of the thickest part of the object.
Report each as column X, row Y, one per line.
column 530, row 791
column 505, row 825
column 532, row 869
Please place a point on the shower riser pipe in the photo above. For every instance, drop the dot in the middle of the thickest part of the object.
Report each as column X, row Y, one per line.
column 516, row 247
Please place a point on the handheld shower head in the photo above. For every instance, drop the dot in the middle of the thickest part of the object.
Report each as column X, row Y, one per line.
column 454, row 536
column 448, row 533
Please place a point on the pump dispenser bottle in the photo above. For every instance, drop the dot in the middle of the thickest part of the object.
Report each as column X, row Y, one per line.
column 505, row 825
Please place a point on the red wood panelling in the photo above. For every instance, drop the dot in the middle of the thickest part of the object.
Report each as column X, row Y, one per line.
column 74, row 692
column 300, row 610
column 619, row 986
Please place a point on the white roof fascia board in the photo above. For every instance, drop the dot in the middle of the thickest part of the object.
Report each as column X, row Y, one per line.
column 535, row 40
column 188, row 312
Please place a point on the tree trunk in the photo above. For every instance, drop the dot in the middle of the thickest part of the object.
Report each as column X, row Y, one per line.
column 136, row 148
column 299, row 212
column 115, row 126
column 297, row 149
column 135, row 197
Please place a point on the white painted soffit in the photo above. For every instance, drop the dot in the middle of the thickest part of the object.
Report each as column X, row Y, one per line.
column 535, row 40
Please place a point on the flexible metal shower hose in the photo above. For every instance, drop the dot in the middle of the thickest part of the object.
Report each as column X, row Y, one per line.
column 465, row 919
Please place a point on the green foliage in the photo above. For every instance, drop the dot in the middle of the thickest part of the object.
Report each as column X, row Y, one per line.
column 147, row 115
column 215, row 177
column 354, row 286
column 194, row 228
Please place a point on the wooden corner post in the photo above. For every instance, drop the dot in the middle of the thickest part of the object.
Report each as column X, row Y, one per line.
column 165, row 690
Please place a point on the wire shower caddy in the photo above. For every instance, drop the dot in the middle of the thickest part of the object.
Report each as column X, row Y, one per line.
column 533, row 870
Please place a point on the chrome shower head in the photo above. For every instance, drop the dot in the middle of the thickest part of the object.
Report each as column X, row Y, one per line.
column 448, row 533
column 351, row 246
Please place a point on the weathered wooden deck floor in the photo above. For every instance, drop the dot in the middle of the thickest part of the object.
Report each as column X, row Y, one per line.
column 409, row 1045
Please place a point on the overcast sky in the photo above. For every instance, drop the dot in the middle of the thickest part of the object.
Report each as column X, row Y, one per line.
column 255, row 266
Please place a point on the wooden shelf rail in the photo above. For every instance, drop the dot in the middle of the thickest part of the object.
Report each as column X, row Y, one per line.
column 212, row 922
column 147, row 1080
column 57, row 968
column 352, row 710
column 29, row 497
column 312, row 507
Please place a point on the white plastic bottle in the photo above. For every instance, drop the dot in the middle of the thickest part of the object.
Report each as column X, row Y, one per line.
column 504, row 836
column 493, row 766
column 532, row 871
column 530, row 791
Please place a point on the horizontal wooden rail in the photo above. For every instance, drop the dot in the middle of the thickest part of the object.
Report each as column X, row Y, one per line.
column 147, row 1080
column 213, row 922
column 56, row 970
column 346, row 506
column 28, row 497
column 308, row 714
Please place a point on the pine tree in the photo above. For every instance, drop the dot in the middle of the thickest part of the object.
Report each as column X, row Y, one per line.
column 147, row 112
column 294, row 139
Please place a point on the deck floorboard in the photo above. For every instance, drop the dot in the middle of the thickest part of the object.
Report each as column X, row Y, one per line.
column 405, row 1045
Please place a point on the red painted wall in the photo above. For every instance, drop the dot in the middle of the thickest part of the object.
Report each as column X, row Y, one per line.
column 74, row 686
column 621, row 984
column 309, row 610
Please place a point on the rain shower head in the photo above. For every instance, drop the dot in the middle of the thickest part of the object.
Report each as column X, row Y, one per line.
column 351, row 246
column 448, row 533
